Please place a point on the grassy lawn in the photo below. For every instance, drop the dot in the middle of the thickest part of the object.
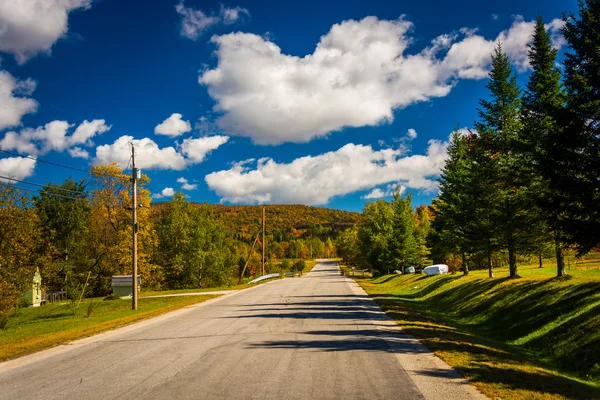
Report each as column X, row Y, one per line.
column 38, row 328
column 587, row 266
column 183, row 291
column 537, row 337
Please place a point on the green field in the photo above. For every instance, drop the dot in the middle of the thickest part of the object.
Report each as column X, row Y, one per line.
column 536, row 337
column 38, row 328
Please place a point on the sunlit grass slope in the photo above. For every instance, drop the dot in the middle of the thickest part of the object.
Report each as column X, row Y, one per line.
column 534, row 337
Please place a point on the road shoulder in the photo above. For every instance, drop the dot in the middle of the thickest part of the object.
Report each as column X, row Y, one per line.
column 432, row 376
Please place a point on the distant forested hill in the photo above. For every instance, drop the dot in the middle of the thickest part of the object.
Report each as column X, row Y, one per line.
column 283, row 217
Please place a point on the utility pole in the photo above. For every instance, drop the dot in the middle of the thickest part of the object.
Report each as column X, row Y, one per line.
column 134, row 272
column 263, row 241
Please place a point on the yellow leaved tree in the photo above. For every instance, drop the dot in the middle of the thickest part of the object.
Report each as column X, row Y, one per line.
column 21, row 247
column 110, row 233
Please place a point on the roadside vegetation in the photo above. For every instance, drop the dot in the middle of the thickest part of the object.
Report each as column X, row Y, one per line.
column 36, row 328
column 517, row 220
column 533, row 338
column 78, row 233
column 522, row 184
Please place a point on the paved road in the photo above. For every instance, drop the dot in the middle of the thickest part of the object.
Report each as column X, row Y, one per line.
column 316, row 337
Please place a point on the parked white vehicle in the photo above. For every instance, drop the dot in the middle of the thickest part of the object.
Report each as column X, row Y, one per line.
column 438, row 269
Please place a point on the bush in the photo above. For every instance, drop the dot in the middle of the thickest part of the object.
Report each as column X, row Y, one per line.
column 285, row 265
column 300, row 266
column 3, row 320
column 112, row 296
column 24, row 303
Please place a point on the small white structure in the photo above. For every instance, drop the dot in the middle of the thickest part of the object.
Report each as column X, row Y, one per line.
column 438, row 269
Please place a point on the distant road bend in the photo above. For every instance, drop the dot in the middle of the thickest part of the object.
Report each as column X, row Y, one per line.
column 316, row 337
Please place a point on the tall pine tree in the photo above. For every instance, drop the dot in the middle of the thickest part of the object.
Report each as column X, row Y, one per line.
column 577, row 149
column 453, row 218
column 498, row 128
column 403, row 247
column 543, row 102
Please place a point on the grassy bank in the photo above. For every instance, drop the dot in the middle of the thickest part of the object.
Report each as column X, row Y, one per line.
column 38, row 328
column 536, row 337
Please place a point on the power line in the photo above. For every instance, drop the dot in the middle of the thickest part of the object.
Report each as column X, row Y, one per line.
column 39, row 191
column 54, row 187
column 44, row 161
column 155, row 192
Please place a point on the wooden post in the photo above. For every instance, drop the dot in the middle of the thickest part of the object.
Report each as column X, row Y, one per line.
column 263, row 241
column 134, row 273
column 84, row 286
column 248, row 258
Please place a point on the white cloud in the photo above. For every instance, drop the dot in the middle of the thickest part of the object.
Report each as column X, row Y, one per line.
column 495, row 17
column 317, row 179
column 14, row 100
column 87, row 130
column 150, row 156
column 173, row 126
column 78, row 152
column 357, row 76
column 379, row 193
column 232, row 15
column 29, row 27
column 52, row 137
column 412, row 134
column 375, row 194
column 185, row 185
column 195, row 22
column 16, row 167
column 197, row 149
column 166, row 192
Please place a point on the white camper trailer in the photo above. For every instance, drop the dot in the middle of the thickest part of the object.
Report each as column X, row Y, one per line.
column 438, row 269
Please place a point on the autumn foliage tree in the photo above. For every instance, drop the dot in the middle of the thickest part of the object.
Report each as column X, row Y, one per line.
column 110, row 230
column 21, row 245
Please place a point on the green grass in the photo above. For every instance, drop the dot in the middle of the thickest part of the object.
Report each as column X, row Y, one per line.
column 197, row 290
column 585, row 266
column 38, row 328
column 536, row 337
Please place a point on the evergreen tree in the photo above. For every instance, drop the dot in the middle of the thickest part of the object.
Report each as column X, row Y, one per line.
column 577, row 147
column 453, row 210
column 498, row 129
column 402, row 245
column 543, row 102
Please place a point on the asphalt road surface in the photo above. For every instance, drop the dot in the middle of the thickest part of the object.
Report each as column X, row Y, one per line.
column 316, row 337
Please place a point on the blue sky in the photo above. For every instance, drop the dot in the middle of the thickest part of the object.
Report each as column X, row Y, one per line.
column 326, row 125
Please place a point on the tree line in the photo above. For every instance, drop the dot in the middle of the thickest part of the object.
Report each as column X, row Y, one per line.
column 391, row 236
column 77, row 229
column 524, row 181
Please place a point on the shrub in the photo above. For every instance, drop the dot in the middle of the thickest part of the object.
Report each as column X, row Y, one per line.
column 112, row 296
column 300, row 266
column 285, row 265
column 24, row 303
